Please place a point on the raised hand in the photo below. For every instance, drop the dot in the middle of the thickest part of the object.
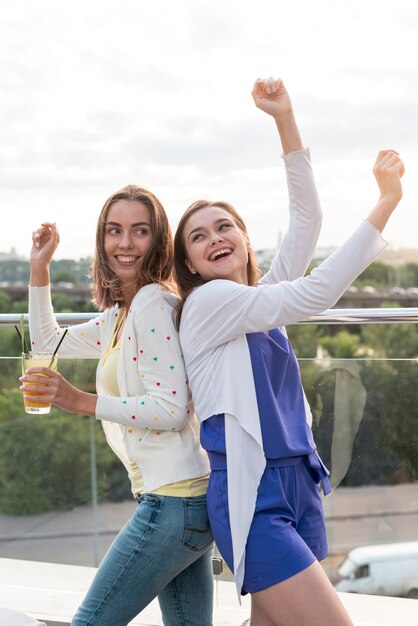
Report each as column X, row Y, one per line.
column 270, row 95
column 45, row 240
column 388, row 171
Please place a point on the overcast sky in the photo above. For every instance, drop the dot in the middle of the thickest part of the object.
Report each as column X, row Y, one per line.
column 96, row 94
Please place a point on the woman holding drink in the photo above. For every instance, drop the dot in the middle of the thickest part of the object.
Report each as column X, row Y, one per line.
column 144, row 406
column 263, row 495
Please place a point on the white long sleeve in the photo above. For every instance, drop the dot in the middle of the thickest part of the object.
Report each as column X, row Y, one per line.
column 305, row 220
column 222, row 310
column 82, row 341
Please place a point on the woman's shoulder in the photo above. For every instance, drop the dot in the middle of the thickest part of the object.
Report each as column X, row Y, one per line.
column 210, row 298
column 214, row 289
column 152, row 295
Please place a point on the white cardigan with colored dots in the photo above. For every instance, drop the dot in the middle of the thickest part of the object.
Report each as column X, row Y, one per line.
column 153, row 422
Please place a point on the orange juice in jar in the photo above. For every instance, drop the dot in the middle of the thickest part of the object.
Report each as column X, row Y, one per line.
column 37, row 359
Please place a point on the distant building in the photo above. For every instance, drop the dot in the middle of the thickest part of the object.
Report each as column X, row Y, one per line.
column 11, row 256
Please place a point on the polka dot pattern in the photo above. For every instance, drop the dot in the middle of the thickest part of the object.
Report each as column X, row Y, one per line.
column 151, row 377
column 159, row 366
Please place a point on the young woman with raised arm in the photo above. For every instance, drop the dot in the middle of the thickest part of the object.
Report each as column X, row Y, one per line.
column 144, row 406
column 263, row 497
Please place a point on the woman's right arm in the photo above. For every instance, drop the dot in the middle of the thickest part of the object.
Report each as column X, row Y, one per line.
column 223, row 310
column 81, row 341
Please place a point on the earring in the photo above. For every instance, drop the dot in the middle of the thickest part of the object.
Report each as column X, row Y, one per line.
column 193, row 271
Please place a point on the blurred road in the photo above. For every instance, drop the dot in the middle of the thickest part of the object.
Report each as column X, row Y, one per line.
column 355, row 516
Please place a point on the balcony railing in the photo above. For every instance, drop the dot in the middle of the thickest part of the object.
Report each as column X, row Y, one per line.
column 64, row 495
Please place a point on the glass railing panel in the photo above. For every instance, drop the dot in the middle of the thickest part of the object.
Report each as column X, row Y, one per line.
column 364, row 422
column 64, row 495
column 365, row 416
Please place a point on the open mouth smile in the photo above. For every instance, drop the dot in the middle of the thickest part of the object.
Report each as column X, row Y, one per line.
column 220, row 254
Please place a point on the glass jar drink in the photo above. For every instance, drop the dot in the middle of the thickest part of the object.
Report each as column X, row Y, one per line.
column 37, row 359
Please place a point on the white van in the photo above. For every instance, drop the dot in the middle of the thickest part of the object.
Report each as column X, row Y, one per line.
column 388, row 570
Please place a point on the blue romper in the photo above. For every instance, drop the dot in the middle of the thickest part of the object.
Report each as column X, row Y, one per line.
column 287, row 533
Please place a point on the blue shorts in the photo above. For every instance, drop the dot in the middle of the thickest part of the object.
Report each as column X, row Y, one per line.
column 287, row 533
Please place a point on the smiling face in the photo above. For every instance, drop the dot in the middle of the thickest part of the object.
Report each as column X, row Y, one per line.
column 127, row 239
column 215, row 245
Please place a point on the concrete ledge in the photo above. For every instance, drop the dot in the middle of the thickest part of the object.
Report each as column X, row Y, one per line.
column 380, row 611
column 52, row 592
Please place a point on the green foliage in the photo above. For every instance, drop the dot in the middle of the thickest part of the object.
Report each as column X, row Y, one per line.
column 381, row 439
column 5, row 302
column 19, row 306
column 64, row 276
column 62, row 303
column 88, row 307
column 377, row 274
column 10, row 403
column 310, row 372
column 68, row 270
column 385, row 449
column 45, row 463
column 343, row 345
column 402, row 433
column 394, row 341
column 10, row 345
column 45, row 460
column 409, row 275
column 304, row 339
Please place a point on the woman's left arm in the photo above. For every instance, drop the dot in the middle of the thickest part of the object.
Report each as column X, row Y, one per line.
column 305, row 221
column 151, row 355
column 305, row 215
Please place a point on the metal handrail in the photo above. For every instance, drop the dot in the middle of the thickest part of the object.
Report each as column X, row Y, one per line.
column 330, row 316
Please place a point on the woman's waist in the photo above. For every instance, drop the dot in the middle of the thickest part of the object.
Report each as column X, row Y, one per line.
column 311, row 460
column 157, row 451
column 218, row 461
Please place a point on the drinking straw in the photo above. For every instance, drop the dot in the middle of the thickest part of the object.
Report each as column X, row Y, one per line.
column 56, row 349
column 23, row 340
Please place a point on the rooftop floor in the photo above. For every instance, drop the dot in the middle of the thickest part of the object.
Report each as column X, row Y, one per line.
column 51, row 592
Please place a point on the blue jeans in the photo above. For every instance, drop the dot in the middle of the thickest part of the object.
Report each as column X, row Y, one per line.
column 164, row 550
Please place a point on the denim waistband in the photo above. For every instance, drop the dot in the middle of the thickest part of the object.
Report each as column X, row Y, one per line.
column 312, row 461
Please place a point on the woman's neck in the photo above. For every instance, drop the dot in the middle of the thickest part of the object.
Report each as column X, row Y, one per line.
column 129, row 292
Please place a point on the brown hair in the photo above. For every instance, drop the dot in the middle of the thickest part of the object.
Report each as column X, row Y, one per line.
column 157, row 264
column 186, row 281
